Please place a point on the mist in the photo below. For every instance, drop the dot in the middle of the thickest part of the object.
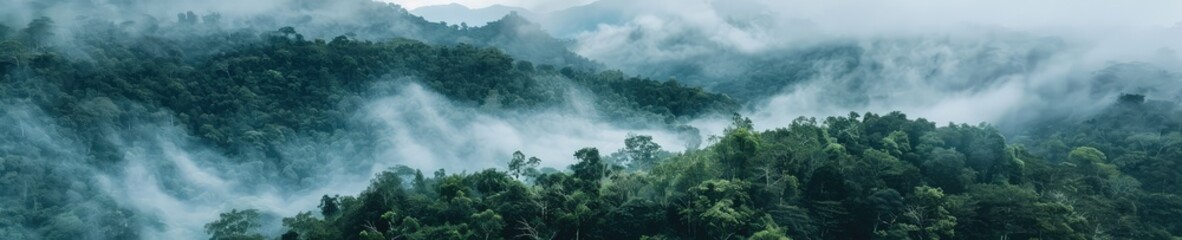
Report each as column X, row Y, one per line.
column 1006, row 63
column 138, row 173
column 944, row 61
column 170, row 184
column 425, row 131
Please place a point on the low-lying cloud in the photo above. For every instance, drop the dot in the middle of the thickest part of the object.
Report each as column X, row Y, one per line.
column 958, row 61
column 947, row 61
column 171, row 184
column 423, row 130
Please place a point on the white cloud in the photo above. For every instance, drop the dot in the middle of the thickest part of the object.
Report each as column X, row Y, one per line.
column 423, row 130
column 533, row 5
column 962, row 61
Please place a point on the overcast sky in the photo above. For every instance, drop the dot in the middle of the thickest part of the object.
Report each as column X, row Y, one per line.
column 1148, row 13
column 535, row 5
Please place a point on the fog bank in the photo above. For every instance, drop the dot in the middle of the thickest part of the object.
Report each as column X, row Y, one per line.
column 1002, row 62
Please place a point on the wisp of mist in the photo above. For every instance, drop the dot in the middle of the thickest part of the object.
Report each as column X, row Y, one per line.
column 997, row 62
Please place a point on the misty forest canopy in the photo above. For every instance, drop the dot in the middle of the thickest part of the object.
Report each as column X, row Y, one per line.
column 113, row 121
column 850, row 177
column 250, row 94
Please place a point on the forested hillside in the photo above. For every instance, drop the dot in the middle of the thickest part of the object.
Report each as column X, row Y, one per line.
column 249, row 94
column 291, row 83
column 859, row 176
column 354, row 119
column 180, row 20
column 853, row 177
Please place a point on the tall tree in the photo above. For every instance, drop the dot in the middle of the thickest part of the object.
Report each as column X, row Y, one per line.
column 235, row 225
column 39, row 33
column 641, row 152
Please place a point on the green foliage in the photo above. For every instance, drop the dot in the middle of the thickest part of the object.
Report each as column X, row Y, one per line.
column 39, row 32
column 720, row 207
column 519, row 166
column 738, row 148
column 329, row 206
column 251, row 95
column 487, row 224
column 861, row 176
column 235, row 225
column 857, row 177
column 640, row 152
column 261, row 90
column 772, row 232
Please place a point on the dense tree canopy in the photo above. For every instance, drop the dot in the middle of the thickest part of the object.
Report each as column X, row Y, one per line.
column 279, row 83
column 249, row 93
column 863, row 176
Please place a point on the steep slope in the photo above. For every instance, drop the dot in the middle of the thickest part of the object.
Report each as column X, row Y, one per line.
column 862, row 176
column 145, row 130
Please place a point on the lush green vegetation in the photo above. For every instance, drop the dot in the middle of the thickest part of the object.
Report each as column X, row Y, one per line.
column 855, row 177
column 68, row 104
column 248, row 94
column 277, row 82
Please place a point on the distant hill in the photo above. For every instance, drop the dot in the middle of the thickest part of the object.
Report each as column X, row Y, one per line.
column 571, row 21
column 455, row 13
column 356, row 19
column 561, row 23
